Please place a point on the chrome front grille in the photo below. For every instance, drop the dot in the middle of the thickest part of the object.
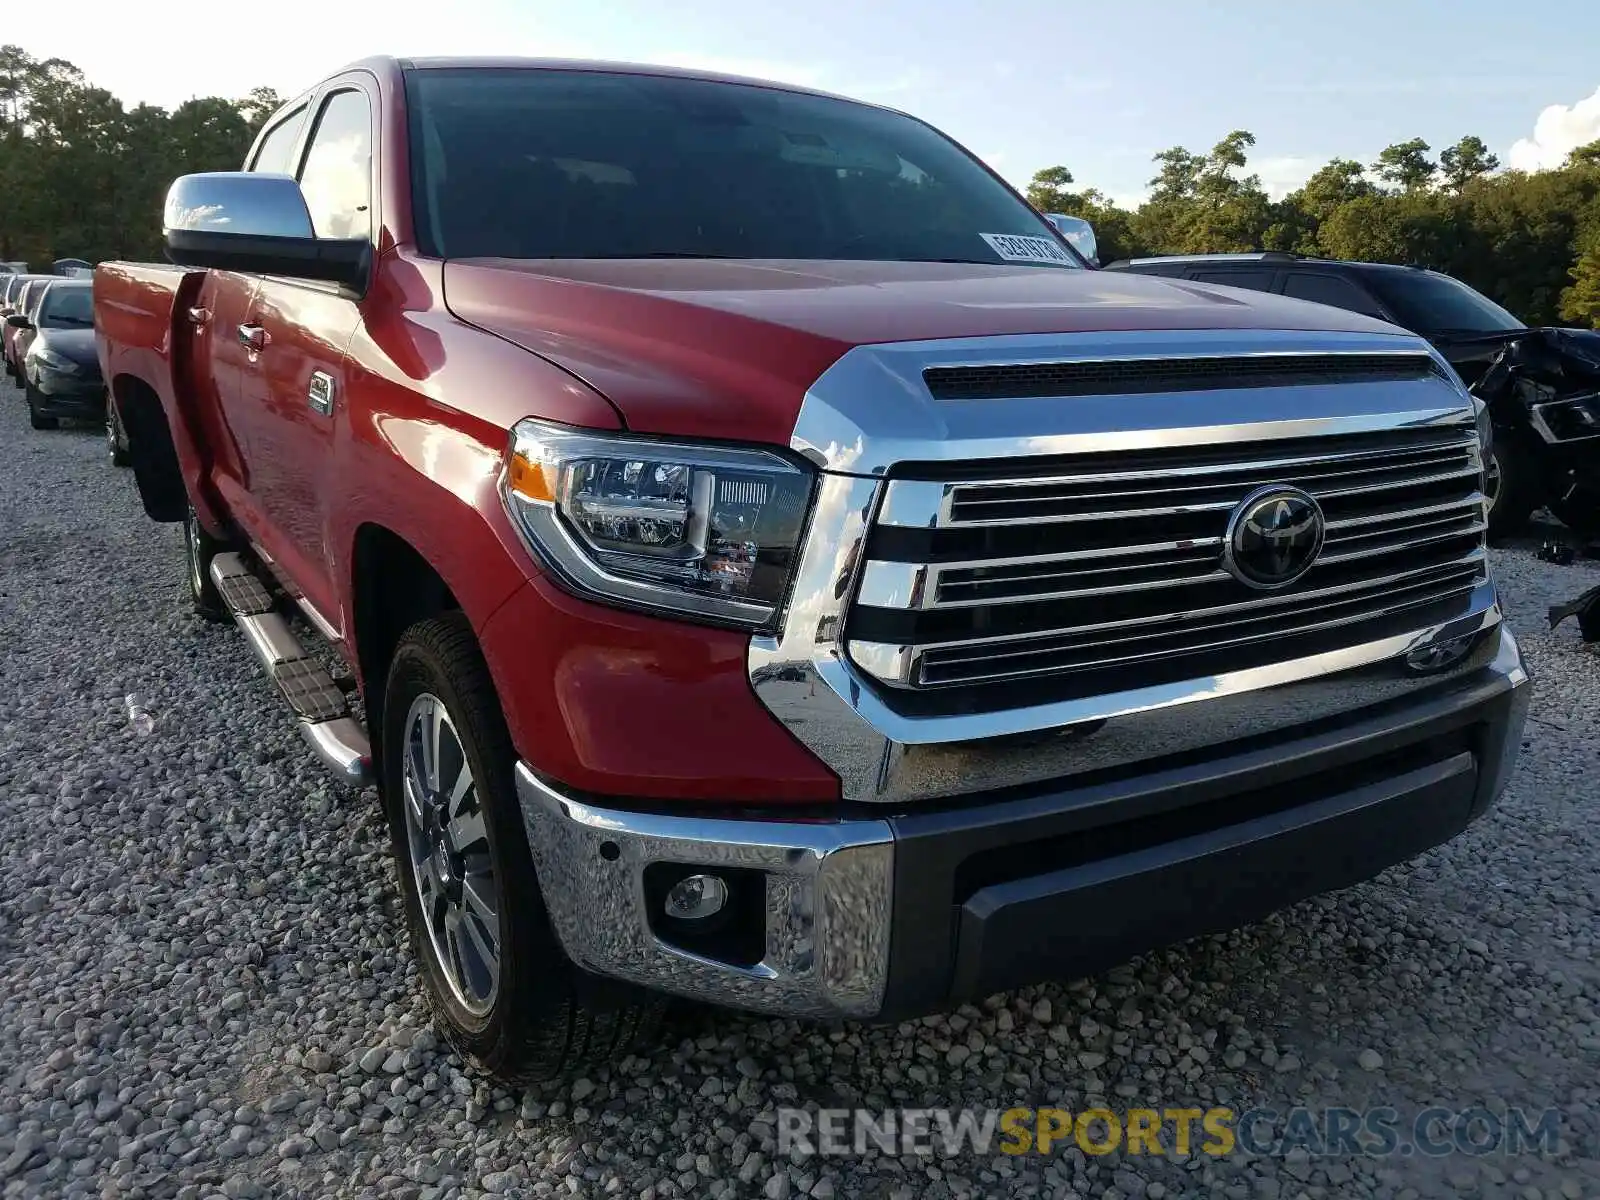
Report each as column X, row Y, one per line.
column 1105, row 571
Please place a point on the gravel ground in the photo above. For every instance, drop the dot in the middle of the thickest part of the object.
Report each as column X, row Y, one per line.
column 205, row 989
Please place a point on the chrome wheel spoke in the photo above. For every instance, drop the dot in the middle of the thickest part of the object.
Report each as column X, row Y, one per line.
column 478, row 897
column 468, row 831
column 450, row 862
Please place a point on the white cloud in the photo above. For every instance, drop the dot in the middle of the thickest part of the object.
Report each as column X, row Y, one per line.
column 1559, row 130
column 1282, row 174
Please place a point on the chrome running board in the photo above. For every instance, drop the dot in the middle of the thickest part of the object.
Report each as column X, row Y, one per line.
column 317, row 700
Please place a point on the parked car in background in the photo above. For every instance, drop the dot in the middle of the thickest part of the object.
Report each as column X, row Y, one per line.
column 775, row 569
column 13, row 268
column 1531, row 464
column 11, row 287
column 73, row 268
column 24, row 305
column 60, row 366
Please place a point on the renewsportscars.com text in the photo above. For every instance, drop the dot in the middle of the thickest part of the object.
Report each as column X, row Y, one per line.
column 1178, row 1132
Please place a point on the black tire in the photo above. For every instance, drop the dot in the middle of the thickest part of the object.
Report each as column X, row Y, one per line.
column 199, row 548
column 543, row 1018
column 34, row 419
column 1518, row 490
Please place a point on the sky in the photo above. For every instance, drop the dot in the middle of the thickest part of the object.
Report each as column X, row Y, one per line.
column 1025, row 84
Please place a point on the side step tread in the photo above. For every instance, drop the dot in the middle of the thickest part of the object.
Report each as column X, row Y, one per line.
column 314, row 695
column 309, row 689
column 244, row 594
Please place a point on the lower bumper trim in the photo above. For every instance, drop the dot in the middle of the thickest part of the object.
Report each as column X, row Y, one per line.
column 827, row 901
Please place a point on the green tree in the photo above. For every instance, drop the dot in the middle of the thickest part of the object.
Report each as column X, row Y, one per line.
column 1406, row 165
column 1466, row 160
column 1580, row 300
column 1049, row 190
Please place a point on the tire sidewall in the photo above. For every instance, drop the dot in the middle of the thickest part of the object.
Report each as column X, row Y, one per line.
column 418, row 668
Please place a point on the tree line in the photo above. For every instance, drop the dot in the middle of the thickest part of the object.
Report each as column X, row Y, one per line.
column 1529, row 240
column 83, row 176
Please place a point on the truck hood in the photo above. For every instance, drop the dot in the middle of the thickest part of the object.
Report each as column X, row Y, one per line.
column 728, row 348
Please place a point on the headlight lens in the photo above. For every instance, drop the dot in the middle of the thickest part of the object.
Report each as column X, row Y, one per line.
column 55, row 362
column 702, row 531
column 1485, row 426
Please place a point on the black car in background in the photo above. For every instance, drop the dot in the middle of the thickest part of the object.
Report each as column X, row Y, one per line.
column 60, row 366
column 1538, row 457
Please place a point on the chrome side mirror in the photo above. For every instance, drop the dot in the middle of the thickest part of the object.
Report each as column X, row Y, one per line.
column 258, row 224
column 1079, row 232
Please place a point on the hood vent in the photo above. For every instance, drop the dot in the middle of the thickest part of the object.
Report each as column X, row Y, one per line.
column 1009, row 381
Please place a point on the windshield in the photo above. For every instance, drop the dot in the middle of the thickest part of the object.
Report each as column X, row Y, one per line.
column 541, row 163
column 31, row 297
column 67, row 308
column 1427, row 302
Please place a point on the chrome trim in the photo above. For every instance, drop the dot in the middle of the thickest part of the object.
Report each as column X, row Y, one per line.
column 323, row 626
column 828, row 892
column 1133, row 654
column 241, row 203
column 1275, row 600
column 871, row 412
column 343, row 747
column 270, row 637
column 902, row 424
column 319, row 393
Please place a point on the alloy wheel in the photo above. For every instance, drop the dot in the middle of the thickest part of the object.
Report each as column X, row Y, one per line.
column 191, row 532
column 450, row 860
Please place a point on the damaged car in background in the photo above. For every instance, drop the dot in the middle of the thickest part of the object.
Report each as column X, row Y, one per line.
column 1533, row 463
column 1542, row 389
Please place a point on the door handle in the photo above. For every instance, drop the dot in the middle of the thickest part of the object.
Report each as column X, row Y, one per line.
column 199, row 317
column 253, row 337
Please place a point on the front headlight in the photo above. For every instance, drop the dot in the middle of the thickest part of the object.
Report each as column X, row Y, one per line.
column 1485, row 426
column 706, row 532
column 49, row 358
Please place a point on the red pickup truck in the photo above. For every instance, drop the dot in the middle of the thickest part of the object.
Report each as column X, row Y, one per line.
column 775, row 569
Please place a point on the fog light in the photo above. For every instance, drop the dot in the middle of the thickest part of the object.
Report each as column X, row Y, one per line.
column 696, row 897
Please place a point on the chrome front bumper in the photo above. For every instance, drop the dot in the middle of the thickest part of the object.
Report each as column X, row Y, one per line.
column 866, row 916
column 828, row 888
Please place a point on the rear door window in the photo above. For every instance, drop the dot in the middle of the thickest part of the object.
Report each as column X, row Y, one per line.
column 337, row 176
column 1331, row 290
column 276, row 155
column 1257, row 279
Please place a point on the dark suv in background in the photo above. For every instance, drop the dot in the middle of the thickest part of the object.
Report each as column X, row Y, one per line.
column 1525, row 467
column 1444, row 310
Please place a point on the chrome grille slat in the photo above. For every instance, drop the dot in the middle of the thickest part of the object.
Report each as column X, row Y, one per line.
column 1394, row 601
column 1448, row 456
column 1021, row 578
column 1271, row 602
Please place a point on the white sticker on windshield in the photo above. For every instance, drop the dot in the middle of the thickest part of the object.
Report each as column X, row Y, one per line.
column 1014, row 247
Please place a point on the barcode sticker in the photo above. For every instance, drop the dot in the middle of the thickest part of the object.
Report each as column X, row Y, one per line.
column 1015, row 247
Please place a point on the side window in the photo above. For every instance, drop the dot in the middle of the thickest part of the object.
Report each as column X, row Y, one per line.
column 274, row 157
column 1329, row 289
column 337, row 176
column 1254, row 278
